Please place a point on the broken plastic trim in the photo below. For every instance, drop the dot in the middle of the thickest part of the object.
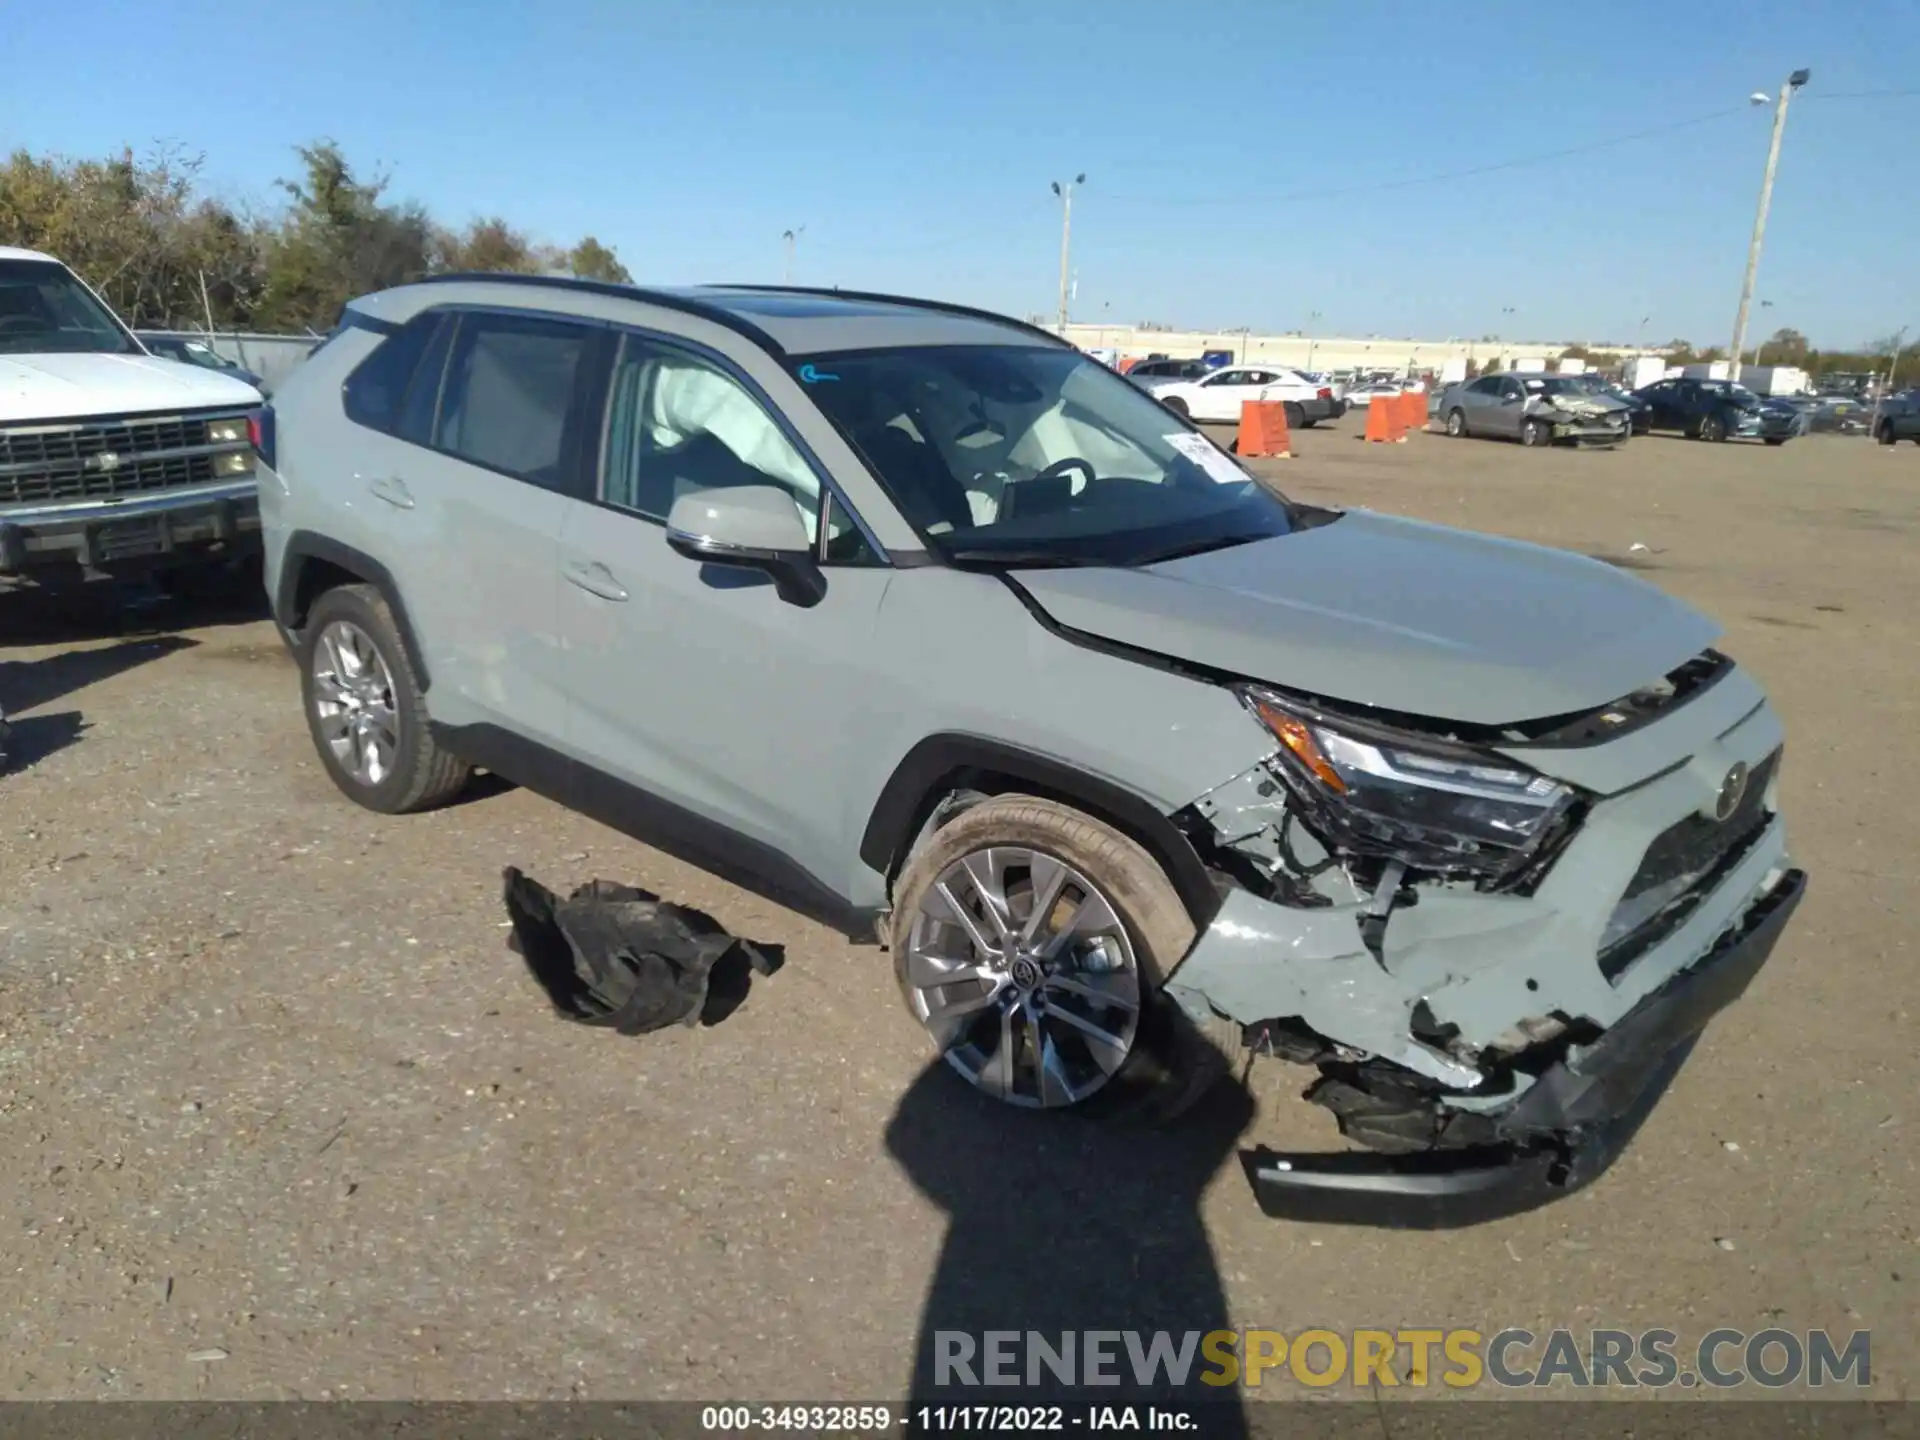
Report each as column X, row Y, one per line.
column 1562, row 1134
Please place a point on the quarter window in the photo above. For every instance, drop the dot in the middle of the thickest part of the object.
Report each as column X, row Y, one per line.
column 509, row 390
column 377, row 385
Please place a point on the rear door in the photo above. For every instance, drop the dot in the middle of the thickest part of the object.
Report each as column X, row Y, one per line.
column 484, row 502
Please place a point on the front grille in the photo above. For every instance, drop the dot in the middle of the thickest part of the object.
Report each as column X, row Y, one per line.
column 103, row 461
column 1683, row 864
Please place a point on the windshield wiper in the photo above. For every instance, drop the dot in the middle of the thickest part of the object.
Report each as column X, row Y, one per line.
column 1029, row 558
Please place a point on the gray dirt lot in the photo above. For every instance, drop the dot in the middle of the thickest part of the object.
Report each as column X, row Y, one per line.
column 272, row 1086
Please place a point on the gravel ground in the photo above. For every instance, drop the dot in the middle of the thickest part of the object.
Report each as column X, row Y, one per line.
column 282, row 1117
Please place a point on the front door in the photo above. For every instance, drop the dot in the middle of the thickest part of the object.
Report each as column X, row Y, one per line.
column 1219, row 397
column 696, row 684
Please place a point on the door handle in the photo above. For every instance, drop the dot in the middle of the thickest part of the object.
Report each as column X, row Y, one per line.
column 595, row 579
column 393, row 490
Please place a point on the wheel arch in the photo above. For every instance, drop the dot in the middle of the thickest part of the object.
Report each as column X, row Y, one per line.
column 313, row 564
column 942, row 764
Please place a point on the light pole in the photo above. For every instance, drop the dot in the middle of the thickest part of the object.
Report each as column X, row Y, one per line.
column 1793, row 83
column 791, row 237
column 1760, row 345
column 1313, row 323
column 1065, row 192
column 1893, row 369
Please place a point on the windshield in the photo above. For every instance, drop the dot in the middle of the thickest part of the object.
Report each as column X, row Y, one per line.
column 1558, row 385
column 43, row 309
column 1739, row 394
column 199, row 353
column 1029, row 455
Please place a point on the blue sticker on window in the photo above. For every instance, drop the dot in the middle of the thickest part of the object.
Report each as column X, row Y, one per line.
column 813, row 376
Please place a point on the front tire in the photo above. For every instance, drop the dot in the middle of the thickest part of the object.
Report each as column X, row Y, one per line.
column 1885, row 433
column 1534, row 434
column 364, row 708
column 1031, row 942
column 1713, row 428
column 1457, row 424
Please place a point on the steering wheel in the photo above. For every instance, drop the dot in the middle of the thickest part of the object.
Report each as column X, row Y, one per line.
column 1011, row 501
column 1061, row 467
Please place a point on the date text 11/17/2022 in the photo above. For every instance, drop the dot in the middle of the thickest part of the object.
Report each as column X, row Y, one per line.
column 948, row 1419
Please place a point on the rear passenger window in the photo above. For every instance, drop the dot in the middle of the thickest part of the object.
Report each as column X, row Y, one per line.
column 378, row 384
column 509, row 391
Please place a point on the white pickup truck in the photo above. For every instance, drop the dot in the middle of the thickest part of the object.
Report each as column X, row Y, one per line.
column 113, row 461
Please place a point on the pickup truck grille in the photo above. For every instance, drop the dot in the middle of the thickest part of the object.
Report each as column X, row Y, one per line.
column 104, row 460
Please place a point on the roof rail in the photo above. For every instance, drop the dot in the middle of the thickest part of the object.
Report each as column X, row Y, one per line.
column 666, row 300
column 913, row 302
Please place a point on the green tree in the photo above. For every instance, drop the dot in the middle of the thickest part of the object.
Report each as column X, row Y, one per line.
column 1786, row 347
column 590, row 260
column 340, row 238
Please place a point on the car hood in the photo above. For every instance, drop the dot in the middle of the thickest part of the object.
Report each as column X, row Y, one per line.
column 1396, row 614
column 64, row 387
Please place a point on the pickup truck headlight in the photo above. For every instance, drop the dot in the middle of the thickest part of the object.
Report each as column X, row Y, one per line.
column 227, row 432
column 1433, row 804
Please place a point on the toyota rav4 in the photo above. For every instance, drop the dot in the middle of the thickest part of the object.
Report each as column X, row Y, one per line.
column 923, row 623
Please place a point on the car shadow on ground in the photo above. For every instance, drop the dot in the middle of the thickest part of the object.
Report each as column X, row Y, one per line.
column 32, row 616
column 1057, row 1223
column 29, row 684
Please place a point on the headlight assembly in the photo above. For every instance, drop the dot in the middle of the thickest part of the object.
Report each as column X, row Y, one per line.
column 227, row 432
column 1434, row 805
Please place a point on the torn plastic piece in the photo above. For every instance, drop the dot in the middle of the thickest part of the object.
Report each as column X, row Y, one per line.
column 615, row 956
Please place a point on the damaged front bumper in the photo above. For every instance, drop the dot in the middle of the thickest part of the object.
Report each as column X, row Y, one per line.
column 1569, row 1127
column 1496, row 1050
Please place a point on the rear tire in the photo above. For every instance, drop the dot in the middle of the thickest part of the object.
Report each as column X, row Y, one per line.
column 1022, row 844
column 1176, row 405
column 1886, row 436
column 412, row 772
column 1296, row 417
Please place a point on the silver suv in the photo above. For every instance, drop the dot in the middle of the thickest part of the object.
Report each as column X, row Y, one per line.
column 925, row 624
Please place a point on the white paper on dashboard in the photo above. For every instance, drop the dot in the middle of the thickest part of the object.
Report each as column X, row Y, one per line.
column 1209, row 457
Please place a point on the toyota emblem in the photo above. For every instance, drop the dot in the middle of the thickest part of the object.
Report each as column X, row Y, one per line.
column 1733, row 790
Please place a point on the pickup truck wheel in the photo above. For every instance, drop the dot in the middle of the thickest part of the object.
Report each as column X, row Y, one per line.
column 1031, row 942
column 364, row 708
column 1456, row 423
column 1535, row 433
column 1175, row 404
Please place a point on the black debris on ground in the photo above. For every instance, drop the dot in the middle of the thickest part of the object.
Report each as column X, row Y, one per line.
column 615, row 956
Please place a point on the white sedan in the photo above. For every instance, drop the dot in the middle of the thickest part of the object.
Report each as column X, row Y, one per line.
column 1217, row 397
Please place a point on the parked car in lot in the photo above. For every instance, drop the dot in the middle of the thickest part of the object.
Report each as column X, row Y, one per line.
column 1217, row 396
column 113, row 462
column 197, row 352
column 1899, row 418
column 1714, row 410
column 1149, row 370
column 1484, row 831
column 1362, row 395
column 1533, row 409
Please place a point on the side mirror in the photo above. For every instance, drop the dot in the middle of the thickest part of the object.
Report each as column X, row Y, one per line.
column 751, row 527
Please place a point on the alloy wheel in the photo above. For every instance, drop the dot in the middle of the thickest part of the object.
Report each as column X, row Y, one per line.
column 1023, row 973
column 353, row 701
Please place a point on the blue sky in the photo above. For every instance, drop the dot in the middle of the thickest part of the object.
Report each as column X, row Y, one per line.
column 1245, row 160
